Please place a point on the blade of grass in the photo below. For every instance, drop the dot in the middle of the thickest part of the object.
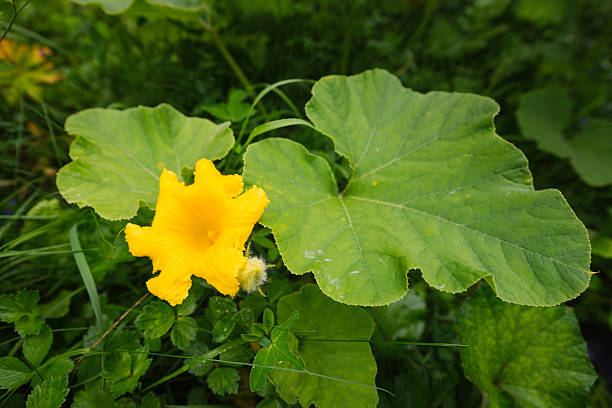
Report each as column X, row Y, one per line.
column 83, row 266
column 260, row 96
column 59, row 155
column 276, row 124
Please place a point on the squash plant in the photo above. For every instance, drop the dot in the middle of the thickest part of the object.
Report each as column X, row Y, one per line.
column 410, row 183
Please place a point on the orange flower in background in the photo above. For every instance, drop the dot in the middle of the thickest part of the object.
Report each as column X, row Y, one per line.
column 23, row 68
column 198, row 230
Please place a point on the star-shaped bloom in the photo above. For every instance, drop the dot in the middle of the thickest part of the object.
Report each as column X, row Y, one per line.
column 200, row 230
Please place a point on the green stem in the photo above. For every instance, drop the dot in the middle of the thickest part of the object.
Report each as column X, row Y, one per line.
column 206, row 356
column 13, row 18
column 231, row 62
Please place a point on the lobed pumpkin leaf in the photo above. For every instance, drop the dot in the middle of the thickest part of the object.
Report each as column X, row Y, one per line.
column 119, row 155
column 433, row 187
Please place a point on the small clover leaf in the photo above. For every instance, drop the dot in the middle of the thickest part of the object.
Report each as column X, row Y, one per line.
column 184, row 332
column 36, row 347
column 13, row 373
column 223, row 381
column 276, row 354
column 155, row 319
column 22, row 309
column 50, row 394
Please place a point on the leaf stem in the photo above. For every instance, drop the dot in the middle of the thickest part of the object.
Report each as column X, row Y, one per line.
column 123, row 316
column 231, row 61
column 13, row 18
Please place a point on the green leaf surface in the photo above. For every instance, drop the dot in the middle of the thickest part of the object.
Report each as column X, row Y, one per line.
column 592, row 152
column 219, row 306
column 401, row 320
column 223, row 328
column 433, row 187
column 93, row 397
column 36, row 347
column 184, row 332
column 223, row 381
column 344, row 371
column 125, row 363
column 50, row 394
column 13, row 373
column 179, row 9
column 261, row 367
column 190, row 304
column 277, row 353
column 155, row 319
column 119, row 155
column 54, row 369
column 543, row 114
column 535, row 357
column 602, row 245
column 197, row 365
column 58, row 307
column 22, row 309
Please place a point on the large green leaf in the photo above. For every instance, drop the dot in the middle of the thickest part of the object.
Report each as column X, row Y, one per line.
column 534, row 356
column 119, row 155
column 343, row 372
column 433, row 187
column 544, row 114
column 592, row 152
column 181, row 9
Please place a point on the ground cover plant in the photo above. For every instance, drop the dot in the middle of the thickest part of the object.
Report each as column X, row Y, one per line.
column 324, row 203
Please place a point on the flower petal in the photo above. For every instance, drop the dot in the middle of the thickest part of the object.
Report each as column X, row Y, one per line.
column 207, row 177
column 170, row 285
column 220, row 266
column 244, row 211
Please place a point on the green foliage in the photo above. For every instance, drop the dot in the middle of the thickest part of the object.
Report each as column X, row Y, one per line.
column 403, row 202
column 275, row 354
column 13, row 373
column 126, row 363
column 401, row 320
column 22, row 309
column 223, row 380
column 534, row 356
column 93, row 397
column 155, row 319
column 546, row 63
column 544, row 114
column 52, row 368
column 119, row 155
column 234, row 110
column 36, row 347
column 58, row 307
column 592, row 152
column 184, row 332
column 50, row 394
column 181, row 9
column 338, row 373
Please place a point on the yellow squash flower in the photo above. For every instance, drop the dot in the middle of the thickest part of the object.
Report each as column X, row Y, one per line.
column 200, row 230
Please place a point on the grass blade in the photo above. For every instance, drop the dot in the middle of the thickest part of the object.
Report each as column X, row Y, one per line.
column 88, row 280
